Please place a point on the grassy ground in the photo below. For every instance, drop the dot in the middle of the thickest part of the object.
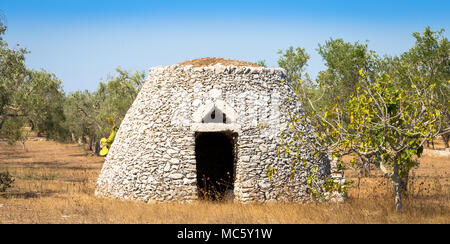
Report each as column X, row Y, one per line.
column 54, row 183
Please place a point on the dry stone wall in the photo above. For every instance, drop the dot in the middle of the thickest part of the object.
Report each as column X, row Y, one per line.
column 153, row 155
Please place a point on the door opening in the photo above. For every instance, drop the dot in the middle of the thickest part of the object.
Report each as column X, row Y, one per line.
column 215, row 156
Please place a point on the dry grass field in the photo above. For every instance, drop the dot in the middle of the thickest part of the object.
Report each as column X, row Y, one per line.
column 54, row 183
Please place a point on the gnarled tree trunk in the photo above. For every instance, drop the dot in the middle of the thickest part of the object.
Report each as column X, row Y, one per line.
column 397, row 187
column 2, row 120
column 397, row 181
column 446, row 138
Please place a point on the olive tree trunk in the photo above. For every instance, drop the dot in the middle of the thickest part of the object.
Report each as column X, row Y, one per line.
column 2, row 120
column 397, row 187
column 446, row 138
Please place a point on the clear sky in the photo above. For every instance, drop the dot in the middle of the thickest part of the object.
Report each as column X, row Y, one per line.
column 85, row 40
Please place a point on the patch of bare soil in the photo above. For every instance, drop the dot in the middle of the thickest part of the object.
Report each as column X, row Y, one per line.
column 213, row 61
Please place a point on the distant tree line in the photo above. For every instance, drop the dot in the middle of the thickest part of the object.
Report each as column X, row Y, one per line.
column 35, row 99
column 87, row 113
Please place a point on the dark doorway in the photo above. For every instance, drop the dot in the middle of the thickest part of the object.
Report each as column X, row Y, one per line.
column 214, row 152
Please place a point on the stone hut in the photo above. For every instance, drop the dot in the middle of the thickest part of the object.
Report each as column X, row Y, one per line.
column 206, row 129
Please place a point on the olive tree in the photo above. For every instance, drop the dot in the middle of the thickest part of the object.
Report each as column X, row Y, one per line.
column 95, row 114
column 343, row 61
column 428, row 59
column 387, row 125
column 28, row 97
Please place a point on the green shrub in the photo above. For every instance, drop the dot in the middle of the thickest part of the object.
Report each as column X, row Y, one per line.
column 5, row 181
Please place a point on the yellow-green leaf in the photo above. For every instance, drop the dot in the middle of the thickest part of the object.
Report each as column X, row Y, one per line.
column 104, row 151
column 103, row 142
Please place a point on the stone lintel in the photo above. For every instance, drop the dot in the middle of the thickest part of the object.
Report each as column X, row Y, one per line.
column 215, row 127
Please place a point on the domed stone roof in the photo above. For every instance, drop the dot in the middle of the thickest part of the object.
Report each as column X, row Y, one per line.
column 213, row 61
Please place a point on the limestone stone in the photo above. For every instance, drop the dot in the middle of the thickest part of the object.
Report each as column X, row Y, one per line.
column 176, row 176
column 174, row 161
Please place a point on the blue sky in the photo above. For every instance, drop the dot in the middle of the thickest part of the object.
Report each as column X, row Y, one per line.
column 84, row 41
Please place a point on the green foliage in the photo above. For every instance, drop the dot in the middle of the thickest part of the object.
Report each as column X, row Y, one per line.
column 270, row 171
column 44, row 104
column 12, row 75
column 343, row 61
column 261, row 62
column 115, row 97
column 320, row 189
column 79, row 110
column 428, row 64
column 33, row 98
column 88, row 113
column 390, row 121
column 390, row 124
column 6, row 180
column 36, row 99
column 294, row 143
column 293, row 61
column 13, row 130
column 382, row 119
column 386, row 124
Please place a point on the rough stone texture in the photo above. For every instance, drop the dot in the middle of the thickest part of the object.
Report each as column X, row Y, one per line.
column 153, row 155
